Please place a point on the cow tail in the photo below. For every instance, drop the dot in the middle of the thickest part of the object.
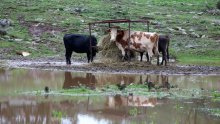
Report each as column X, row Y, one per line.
column 65, row 41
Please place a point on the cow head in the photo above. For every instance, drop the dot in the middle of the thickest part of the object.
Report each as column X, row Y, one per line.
column 96, row 49
column 113, row 34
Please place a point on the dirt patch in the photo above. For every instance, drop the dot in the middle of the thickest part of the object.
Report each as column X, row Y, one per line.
column 36, row 29
column 117, row 67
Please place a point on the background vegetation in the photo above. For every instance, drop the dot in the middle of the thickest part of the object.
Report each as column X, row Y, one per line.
column 38, row 26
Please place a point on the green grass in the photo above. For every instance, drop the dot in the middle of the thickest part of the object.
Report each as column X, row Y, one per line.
column 81, row 90
column 133, row 112
column 58, row 115
column 216, row 96
column 196, row 60
column 213, row 112
column 138, row 89
column 73, row 16
column 199, row 57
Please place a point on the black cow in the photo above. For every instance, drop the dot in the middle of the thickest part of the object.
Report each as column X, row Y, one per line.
column 163, row 46
column 79, row 44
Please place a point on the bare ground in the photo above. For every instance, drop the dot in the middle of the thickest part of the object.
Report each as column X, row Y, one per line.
column 110, row 67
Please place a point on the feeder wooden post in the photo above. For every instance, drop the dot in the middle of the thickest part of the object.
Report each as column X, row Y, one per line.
column 90, row 41
column 148, row 27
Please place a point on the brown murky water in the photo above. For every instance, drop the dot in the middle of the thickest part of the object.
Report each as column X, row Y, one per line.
column 117, row 109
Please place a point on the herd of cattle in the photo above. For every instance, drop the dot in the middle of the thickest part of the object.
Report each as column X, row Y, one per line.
column 138, row 41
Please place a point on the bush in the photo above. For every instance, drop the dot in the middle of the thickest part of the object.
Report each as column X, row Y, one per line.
column 218, row 4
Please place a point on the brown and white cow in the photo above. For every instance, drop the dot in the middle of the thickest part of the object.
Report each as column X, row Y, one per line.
column 139, row 41
column 163, row 47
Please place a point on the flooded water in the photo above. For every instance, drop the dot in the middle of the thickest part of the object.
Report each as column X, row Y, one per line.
column 117, row 109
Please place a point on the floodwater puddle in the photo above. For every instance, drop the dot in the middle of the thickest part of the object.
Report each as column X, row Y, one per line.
column 16, row 107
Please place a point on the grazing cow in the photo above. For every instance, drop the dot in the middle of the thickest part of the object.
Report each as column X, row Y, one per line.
column 139, row 41
column 163, row 46
column 79, row 44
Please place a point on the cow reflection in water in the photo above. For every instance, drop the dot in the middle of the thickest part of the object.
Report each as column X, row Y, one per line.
column 123, row 81
column 21, row 111
column 165, row 83
column 78, row 81
column 152, row 81
column 157, row 82
column 118, row 101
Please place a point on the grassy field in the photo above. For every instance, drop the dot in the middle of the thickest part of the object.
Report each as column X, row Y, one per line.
column 39, row 25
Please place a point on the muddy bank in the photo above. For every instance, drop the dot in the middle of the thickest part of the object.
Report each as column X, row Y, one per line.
column 119, row 67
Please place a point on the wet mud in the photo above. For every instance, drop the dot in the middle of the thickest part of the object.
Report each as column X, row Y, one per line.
column 113, row 67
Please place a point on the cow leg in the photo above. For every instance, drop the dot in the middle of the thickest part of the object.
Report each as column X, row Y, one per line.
column 92, row 59
column 164, row 58
column 150, row 54
column 147, row 56
column 124, row 54
column 122, row 50
column 163, row 53
column 162, row 61
column 157, row 59
column 88, row 56
column 141, row 55
column 129, row 54
column 157, row 55
column 68, row 57
column 168, row 56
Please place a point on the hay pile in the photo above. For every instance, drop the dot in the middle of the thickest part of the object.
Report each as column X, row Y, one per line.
column 109, row 51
